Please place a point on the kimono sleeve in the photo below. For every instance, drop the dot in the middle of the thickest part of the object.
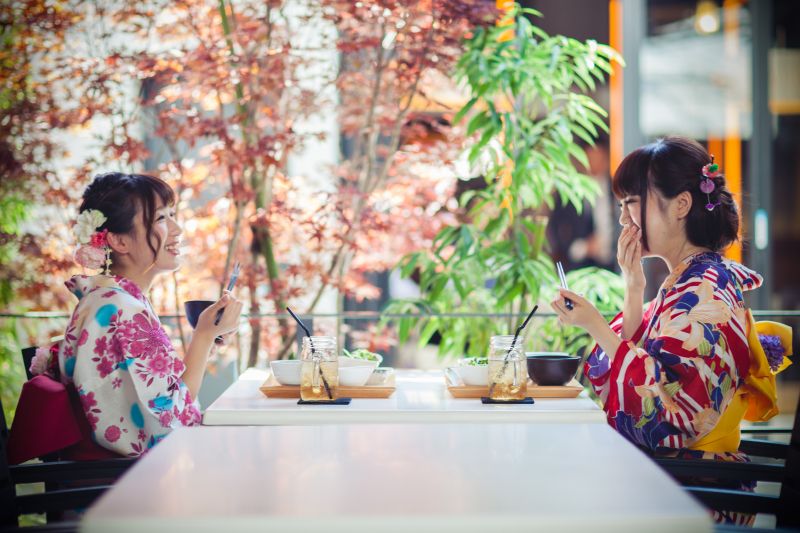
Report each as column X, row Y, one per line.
column 128, row 375
column 598, row 364
column 672, row 389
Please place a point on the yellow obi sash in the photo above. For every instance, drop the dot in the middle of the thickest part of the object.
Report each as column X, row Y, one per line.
column 756, row 399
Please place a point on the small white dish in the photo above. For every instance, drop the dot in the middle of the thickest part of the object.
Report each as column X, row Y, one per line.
column 286, row 372
column 354, row 376
column 379, row 376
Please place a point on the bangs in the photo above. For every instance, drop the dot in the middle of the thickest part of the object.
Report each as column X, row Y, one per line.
column 158, row 188
column 631, row 177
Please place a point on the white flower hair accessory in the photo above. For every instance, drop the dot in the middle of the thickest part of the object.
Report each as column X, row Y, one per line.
column 87, row 223
column 93, row 250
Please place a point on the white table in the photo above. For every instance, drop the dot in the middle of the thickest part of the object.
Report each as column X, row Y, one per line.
column 421, row 397
column 396, row 478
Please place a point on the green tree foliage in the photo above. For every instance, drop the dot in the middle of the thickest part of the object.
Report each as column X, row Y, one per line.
column 529, row 107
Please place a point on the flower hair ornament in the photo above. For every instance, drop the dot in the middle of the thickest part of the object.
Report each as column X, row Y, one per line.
column 93, row 249
column 707, row 186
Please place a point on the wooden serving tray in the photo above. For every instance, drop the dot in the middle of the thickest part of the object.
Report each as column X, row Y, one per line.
column 272, row 389
column 570, row 390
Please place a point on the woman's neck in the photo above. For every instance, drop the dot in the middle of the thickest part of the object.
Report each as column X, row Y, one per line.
column 143, row 280
column 681, row 252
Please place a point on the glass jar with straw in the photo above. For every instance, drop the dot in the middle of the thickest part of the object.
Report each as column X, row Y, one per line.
column 508, row 375
column 319, row 374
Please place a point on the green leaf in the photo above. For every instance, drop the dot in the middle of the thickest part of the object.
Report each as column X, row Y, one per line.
column 478, row 122
column 464, row 110
column 428, row 331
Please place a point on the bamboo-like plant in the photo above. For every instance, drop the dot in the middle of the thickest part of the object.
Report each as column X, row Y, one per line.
column 528, row 108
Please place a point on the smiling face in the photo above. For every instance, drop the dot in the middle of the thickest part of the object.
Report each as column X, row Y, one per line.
column 660, row 224
column 162, row 253
column 165, row 237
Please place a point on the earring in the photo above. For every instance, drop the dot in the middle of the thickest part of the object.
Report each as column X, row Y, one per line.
column 107, row 269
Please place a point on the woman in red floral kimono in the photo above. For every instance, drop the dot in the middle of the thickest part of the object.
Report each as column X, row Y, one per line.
column 667, row 374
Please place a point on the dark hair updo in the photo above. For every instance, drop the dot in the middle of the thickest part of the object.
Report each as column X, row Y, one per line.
column 671, row 166
column 120, row 196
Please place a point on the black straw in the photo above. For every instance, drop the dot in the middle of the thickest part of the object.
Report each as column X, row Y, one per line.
column 300, row 323
column 520, row 328
column 308, row 334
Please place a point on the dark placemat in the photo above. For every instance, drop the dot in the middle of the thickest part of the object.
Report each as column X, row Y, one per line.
column 337, row 401
column 527, row 400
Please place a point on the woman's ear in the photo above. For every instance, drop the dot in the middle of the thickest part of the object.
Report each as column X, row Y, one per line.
column 683, row 204
column 118, row 243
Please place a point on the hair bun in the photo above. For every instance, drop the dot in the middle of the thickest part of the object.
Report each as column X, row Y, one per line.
column 100, row 187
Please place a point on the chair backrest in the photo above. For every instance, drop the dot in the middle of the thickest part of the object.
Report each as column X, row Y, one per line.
column 27, row 357
column 8, row 514
column 790, row 488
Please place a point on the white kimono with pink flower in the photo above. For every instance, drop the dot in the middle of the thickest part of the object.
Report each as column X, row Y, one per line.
column 123, row 366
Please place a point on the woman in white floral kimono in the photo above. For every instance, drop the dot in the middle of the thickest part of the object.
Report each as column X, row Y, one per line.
column 132, row 385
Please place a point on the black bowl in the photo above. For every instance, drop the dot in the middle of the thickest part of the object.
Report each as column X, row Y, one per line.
column 193, row 308
column 552, row 368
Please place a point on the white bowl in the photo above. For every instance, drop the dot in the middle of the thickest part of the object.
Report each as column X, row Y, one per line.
column 473, row 374
column 286, row 372
column 352, row 362
column 354, row 376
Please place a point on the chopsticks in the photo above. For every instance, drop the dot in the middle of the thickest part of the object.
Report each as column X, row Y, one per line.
column 563, row 278
column 231, row 284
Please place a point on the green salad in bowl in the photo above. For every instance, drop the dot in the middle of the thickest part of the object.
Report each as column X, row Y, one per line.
column 364, row 355
column 474, row 361
column 473, row 370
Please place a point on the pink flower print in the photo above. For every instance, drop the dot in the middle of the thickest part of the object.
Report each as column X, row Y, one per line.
column 112, row 434
column 88, row 401
column 149, row 338
column 189, row 416
column 69, row 335
column 116, row 383
column 90, row 408
column 177, row 366
column 142, row 436
column 105, row 367
column 93, row 420
column 159, row 365
column 165, row 418
column 84, row 337
column 116, row 350
column 122, row 331
column 130, row 287
column 101, row 346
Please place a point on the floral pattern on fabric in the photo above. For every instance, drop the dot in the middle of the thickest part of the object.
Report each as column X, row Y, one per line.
column 668, row 385
column 121, row 361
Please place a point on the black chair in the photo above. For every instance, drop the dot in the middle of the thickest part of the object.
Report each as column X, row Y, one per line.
column 27, row 357
column 782, row 465
column 69, row 485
